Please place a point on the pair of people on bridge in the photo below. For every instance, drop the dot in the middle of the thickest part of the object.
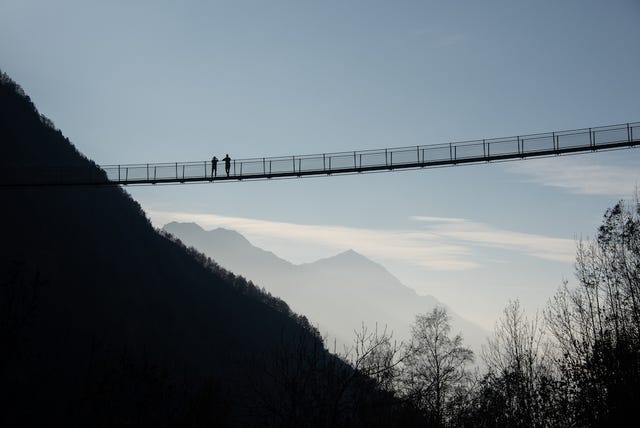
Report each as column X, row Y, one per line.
column 214, row 165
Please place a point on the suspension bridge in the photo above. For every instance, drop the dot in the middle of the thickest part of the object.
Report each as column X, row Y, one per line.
column 326, row 164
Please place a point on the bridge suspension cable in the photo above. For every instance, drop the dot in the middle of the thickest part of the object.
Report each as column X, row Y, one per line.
column 422, row 156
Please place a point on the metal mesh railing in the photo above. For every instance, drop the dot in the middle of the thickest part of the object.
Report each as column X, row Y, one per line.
column 576, row 140
column 525, row 145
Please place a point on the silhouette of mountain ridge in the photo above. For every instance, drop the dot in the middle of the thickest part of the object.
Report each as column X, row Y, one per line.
column 224, row 240
column 338, row 293
column 348, row 258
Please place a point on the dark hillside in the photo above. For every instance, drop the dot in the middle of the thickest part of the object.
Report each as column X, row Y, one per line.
column 104, row 319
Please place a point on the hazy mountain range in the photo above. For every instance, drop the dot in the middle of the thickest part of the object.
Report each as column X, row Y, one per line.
column 337, row 294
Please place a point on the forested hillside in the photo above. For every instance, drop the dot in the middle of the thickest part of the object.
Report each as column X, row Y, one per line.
column 104, row 321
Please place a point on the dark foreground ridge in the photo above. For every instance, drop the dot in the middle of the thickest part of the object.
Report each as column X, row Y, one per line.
column 104, row 321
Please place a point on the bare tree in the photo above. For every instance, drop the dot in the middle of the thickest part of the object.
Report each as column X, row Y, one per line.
column 518, row 366
column 301, row 384
column 376, row 355
column 435, row 367
column 597, row 325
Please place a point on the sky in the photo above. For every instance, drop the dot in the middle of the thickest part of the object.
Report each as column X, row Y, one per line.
column 164, row 81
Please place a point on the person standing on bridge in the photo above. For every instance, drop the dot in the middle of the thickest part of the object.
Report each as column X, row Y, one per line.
column 227, row 163
column 214, row 167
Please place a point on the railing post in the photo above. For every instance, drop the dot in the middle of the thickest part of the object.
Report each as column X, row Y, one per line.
column 355, row 164
column 299, row 165
column 450, row 152
column 386, row 158
column 418, row 154
column 182, row 172
column 484, row 148
column 553, row 139
column 293, row 159
column 324, row 162
column 176, row 170
column 360, row 156
column 628, row 134
column 241, row 168
column 205, row 169
column 147, row 172
column 518, row 138
column 590, row 138
column 264, row 167
column 126, row 174
column 154, row 173
column 391, row 160
column 234, row 167
column 119, row 173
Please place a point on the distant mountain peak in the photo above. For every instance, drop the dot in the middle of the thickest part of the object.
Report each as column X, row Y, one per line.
column 349, row 258
column 340, row 291
column 220, row 233
column 350, row 252
column 351, row 255
column 229, row 234
column 184, row 226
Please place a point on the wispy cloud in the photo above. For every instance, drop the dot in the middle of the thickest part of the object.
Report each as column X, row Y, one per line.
column 474, row 233
column 436, row 243
column 437, row 219
column 580, row 175
column 419, row 248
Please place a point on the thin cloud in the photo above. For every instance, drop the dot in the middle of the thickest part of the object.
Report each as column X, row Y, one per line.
column 437, row 243
column 539, row 246
column 437, row 219
column 580, row 176
column 422, row 249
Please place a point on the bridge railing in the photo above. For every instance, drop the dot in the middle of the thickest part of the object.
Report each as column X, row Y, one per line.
column 341, row 162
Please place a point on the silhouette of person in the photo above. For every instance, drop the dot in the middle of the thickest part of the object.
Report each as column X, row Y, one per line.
column 214, row 167
column 227, row 163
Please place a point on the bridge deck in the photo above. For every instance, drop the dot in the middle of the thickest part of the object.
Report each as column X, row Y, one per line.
column 427, row 156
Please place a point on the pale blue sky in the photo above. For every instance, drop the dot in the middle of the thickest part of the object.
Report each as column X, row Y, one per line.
column 159, row 81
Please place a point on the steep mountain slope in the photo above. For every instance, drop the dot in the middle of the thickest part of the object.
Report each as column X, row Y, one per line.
column 228, row 245
column 338, row 293
column 106, row 322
